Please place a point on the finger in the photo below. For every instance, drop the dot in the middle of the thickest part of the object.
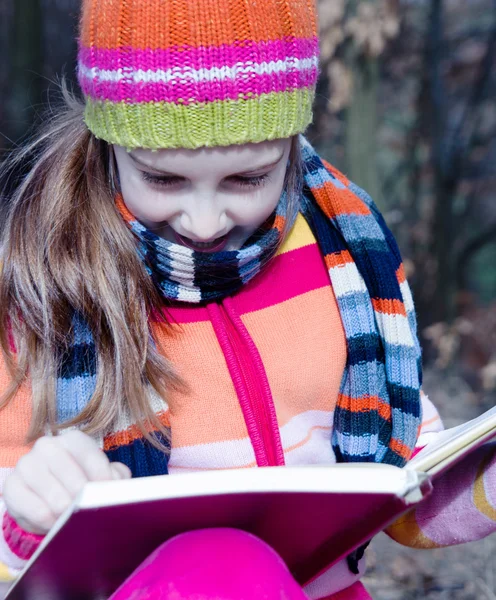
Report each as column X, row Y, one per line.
column 37, row 477
column 121, row 471
column 61, row 464
column 88, row 455
column 29, row 511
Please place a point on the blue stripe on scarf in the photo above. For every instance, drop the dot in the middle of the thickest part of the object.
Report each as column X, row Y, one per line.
column 141, row 457
column 362, row 229
column 405, row 399
column 170, row 289
column 314, row 179
column 370, row 369
column 356, row 345
column 73, row 396
column 79, row 361
column 359, row 447
column 397, row 357
column 359, row 303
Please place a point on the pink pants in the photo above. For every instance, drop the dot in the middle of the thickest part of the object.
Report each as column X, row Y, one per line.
column 220, row 564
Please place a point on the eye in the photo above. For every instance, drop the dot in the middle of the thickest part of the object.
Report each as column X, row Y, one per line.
column 256, row 181
column 161, row 180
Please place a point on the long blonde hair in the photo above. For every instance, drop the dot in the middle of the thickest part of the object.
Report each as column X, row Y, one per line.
column 66, row 248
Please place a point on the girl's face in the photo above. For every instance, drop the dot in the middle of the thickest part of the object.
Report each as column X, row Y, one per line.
column 209, row 199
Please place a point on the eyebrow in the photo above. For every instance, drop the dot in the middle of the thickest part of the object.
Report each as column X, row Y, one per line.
column 247, row 171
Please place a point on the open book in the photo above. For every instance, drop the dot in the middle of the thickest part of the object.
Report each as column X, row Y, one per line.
column 313, row 516
column 452, row 445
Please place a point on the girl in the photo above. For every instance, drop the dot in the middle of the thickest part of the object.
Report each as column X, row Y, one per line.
column 186, row 285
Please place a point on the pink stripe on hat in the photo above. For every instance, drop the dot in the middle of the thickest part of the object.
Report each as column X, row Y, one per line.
column 245, row 86
column 245, row 52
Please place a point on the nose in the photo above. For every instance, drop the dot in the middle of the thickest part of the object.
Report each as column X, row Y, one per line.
column 203, row 221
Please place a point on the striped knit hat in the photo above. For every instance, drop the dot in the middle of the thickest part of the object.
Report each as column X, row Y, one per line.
column 194, row 73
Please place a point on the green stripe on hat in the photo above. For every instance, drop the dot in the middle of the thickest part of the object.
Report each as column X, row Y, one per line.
column 158, row 125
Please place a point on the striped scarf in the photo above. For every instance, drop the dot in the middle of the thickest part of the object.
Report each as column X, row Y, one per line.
column 377, row 417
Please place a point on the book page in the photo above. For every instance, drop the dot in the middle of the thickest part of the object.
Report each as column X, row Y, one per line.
column 455, row 443
column 354, row 478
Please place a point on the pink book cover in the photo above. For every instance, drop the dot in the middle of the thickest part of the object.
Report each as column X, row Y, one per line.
column 312, row 516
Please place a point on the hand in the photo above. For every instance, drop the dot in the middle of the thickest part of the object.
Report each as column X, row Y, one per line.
column 47, row 479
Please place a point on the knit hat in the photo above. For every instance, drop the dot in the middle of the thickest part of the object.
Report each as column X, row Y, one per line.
column 193, row 73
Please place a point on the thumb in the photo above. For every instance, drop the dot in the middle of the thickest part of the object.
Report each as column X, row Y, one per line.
column 120, row 471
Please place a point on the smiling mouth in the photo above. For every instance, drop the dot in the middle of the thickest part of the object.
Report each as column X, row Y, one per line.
column 214, row 246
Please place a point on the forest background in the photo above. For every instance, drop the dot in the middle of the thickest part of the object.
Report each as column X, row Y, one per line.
column 406, row 107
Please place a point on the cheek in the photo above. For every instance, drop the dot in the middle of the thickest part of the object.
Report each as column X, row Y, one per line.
column 271, row 203
column 259, row 208
column 142, row 202
column 253, row 213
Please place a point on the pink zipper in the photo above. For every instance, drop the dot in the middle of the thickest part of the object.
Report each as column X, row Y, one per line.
column 250, row 381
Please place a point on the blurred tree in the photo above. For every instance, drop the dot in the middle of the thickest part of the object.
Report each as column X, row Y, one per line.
column 354, row 36
column 450, row 124
column 403, row 106
column 370, row 25
column 26, row 59
column 406, row 106
column 39, row 40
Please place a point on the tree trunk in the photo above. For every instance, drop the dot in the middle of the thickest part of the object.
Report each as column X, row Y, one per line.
column 361, row 127
column 361, row 118
column 442, row 235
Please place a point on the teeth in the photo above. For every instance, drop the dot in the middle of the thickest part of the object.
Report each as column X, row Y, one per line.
column 200, row 245
column 205, row 244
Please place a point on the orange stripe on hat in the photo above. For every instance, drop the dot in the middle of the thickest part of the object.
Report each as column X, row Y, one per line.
column 159, row 24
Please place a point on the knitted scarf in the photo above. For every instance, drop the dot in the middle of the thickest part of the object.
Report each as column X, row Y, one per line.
column 378, row 413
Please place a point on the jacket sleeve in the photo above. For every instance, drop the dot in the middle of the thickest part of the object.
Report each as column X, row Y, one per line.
column 16, row 545
column 461, row 508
